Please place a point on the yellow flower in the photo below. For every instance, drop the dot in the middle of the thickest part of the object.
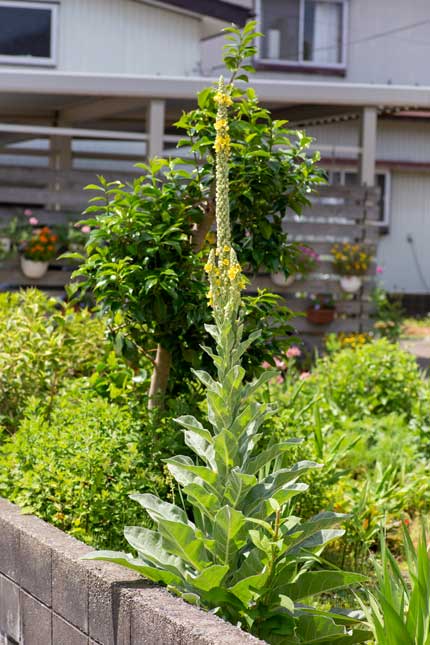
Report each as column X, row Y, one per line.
column 226, row 262
column 233, row 271
column 226, row 249
column 222, row 143
column 221, row 124
column 223, row 99
column 209, row 267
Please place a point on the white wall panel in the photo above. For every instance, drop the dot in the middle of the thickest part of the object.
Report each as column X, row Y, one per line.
column 126, row 37
column 410, row 215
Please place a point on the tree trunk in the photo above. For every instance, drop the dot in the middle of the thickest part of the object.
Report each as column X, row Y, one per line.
column 160, row 378
column 163, row 360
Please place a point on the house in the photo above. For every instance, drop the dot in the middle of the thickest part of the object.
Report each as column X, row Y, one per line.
column 354, row 74
column 98, row 84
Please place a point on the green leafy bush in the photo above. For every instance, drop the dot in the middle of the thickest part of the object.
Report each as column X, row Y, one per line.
column 77, row 469
column 43, row 342
column 375, row 379
column 364, row 413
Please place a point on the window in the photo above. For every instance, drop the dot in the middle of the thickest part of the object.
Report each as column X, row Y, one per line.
column 27, row 32
column 303, row 32
column 382, row 181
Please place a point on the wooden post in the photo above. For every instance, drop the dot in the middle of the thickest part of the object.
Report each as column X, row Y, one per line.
column 368, row 130
column 60, row 159
column 155, row 127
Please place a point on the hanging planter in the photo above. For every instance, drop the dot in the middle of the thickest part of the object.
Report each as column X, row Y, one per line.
column 34, row 269
column 320, row 316
column 281, row 280
column 351, row 283
column 322, row 311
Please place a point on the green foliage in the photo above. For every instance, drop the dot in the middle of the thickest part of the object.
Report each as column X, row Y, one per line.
column 385, row 380
column 43, row 343
column 399, row 612
column 77, row 468
column 388, row 314
column 146, row 249
column 370, row 430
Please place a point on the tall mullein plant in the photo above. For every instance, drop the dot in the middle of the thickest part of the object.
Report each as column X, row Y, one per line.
column 237, row 551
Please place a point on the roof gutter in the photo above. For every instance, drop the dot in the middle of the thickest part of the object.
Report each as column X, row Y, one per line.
column 274, row 92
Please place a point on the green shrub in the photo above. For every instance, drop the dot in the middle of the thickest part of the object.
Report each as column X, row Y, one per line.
column 43, row 342
column 375, row 379
column 364, row 414
column 77, row 469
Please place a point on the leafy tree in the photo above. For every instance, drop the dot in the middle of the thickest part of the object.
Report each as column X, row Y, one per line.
column 145, row 254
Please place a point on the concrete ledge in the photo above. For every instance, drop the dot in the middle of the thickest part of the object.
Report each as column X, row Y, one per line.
column 49, row 596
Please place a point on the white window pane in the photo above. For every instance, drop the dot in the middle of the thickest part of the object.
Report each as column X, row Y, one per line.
column 25, row 31
column 281, row 26
column 351, row 178
column 323, row 32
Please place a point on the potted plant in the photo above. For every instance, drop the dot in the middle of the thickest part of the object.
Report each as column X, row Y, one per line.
column 350, row 262
column 322, row 310
column 37, row 251
column 306, row 262
column 77, row 236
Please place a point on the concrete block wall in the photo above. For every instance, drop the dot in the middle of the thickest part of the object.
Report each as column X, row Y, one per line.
column 50, row 596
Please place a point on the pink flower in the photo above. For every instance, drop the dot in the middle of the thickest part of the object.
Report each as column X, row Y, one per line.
column 279, row 364
column 379, row 269
column 86, row 229
column 33, row 221
column 304, row 375
column 279, row 379
column 292, row 352
column 266, row 365
column 28, row 212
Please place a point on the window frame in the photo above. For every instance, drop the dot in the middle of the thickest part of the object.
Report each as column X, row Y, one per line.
column 301, row 63
column 342, row 170
column 34, row 60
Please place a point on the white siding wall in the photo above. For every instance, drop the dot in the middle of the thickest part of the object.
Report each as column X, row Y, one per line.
column 409, row 198
column 126, row 37
column 398, row 58
column 410, row 215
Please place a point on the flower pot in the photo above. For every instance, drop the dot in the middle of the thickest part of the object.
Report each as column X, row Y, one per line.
column 33, row 269
column 351, row 283
column 320, row 316
column 281, row 281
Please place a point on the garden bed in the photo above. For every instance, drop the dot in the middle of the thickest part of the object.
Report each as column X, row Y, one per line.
column 49, row 596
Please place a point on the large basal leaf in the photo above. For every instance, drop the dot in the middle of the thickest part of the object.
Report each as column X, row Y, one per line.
column 184, row 470
column 181, row 540
column 149, row 545
column 159, row 510
column 312, row 583
column 226, row 451
column 237, row 486
column 191, row 423
column 124, row 559
column 209, row 578
column 300, row 533
column 250, row 588
column 254, row 464
column 316, row 541
column 228, row 533
column 313, row 628
column 204, row 499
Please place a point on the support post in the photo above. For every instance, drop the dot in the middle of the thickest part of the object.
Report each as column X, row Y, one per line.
column 60, row 159
column 156, row 115
column 368, row 131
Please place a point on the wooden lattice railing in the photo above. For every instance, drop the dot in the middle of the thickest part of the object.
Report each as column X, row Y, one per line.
column 338, row 214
